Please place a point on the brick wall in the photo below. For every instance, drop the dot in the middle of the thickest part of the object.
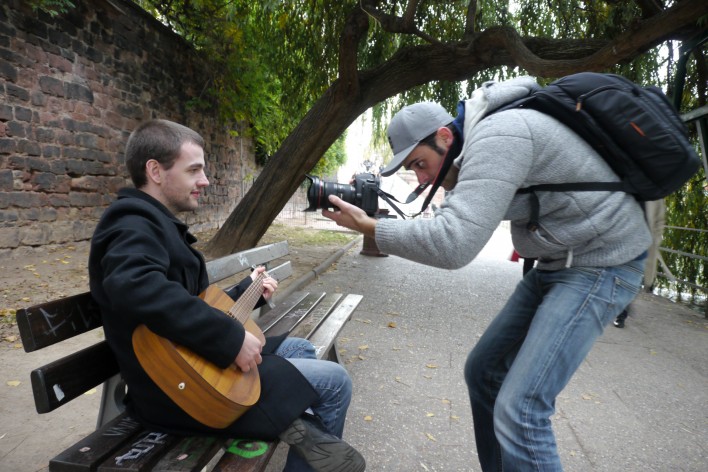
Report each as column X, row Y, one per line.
column 71, row 90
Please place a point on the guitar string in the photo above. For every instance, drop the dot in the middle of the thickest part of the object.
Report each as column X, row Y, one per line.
column 248, row 298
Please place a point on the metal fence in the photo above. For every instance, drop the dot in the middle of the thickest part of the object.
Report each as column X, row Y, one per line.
column 294, row 214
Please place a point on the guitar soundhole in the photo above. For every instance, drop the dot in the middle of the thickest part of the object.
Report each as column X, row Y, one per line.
column 181, row 386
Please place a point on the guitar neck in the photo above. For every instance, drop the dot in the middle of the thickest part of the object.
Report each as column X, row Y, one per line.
column 242, row 308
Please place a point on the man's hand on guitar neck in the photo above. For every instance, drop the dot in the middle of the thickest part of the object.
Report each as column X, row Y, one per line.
column 270, row 285
column 250, row 354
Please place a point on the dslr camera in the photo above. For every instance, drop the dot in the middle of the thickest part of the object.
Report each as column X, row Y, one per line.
column 364, row 193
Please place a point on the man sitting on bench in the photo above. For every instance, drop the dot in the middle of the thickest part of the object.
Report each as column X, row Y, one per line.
column 144, row 271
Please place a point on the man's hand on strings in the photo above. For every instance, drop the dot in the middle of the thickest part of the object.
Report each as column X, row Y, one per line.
column 270, row 285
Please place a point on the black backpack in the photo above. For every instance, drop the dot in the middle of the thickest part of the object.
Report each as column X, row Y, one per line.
column 634, row 128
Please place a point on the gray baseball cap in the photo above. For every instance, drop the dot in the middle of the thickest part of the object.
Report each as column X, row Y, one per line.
column 409, row 126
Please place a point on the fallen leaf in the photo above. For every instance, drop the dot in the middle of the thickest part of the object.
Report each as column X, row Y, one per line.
column 446, row 401
column 429, row 415
column 13, row 383
column 398, row 379
column 90, row 392
column 391, row 324
column 431, row 366
column 368, row 418
column 586, row 396
column 11, row 339
column 364, row 347
column 431, row 437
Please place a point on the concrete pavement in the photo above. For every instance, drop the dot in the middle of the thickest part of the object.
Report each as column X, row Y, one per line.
column 639, row 402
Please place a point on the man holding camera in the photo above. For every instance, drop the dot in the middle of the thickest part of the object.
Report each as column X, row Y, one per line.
column 590, row 249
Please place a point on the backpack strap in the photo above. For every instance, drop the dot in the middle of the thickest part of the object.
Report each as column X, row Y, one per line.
column 532, row 225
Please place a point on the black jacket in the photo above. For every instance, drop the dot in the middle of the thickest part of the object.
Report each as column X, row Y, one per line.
column 143, row 270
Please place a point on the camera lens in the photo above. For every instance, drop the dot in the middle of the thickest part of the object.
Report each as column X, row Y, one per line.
column 319, row 192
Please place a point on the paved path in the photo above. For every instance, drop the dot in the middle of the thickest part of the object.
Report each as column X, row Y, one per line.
column 638, row 403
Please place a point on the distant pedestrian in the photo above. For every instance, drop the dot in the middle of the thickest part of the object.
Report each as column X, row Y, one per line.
column 619, row 321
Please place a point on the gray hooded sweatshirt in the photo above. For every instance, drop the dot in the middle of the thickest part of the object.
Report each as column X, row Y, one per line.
column 507, row 151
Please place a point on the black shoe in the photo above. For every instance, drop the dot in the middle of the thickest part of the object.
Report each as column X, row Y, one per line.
column 324, row 452
column 619, row 323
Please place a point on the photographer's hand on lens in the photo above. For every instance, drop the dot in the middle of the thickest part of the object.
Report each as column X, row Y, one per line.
column 351, row 217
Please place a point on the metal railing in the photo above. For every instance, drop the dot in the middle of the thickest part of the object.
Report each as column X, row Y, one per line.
column 700, row 117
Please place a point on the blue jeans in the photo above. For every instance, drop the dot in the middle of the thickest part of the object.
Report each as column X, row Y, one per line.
column 530, row 351
column 332, row 383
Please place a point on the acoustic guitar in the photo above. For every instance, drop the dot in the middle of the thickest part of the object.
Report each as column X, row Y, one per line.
column 213, row 396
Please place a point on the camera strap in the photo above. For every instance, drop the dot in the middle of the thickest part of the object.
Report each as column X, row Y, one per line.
column 388, row 198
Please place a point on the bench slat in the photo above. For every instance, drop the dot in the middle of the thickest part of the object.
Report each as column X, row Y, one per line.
column 92, row 450
column 227, row 266
column 245, row 455
column 190, row 454
column 139, row 454
column 326, row 334
column 61, row 381
column 288, row 320
column 320, row 312
column 281, row 307
column 281, row 272
column 49, row 323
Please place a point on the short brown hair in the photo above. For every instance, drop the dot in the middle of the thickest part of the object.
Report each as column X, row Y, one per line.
column 156, row 139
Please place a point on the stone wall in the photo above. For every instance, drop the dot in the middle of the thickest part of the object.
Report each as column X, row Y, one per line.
column 71, row 90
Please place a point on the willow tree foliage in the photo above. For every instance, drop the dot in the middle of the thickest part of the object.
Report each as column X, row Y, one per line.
column 299, row 72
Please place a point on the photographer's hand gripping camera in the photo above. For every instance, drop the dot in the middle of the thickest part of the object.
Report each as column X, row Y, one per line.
column 364, row 194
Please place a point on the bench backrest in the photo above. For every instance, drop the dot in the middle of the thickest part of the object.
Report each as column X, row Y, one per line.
column 43, row 325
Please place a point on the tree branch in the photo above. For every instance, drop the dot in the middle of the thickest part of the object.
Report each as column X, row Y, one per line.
column 396, row 24
column 644, row 35
column 470, row 26
column 409, row 16
column 355, row 29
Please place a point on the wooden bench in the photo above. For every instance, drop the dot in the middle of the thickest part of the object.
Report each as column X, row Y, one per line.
column 119, row 442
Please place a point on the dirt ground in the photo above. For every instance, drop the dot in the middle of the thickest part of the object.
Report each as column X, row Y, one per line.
column 30, row 276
